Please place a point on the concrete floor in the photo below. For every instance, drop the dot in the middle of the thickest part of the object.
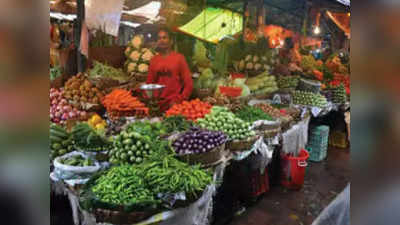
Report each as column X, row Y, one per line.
column 323, row 181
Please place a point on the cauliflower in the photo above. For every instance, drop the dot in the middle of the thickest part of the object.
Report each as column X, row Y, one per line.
column 132, row 67
column 248, row 58
column 255, row 59
column 147, row 55
column 143, row 50
column 143, row 68
column 137, row 41
column 135, row 55
column 264, row 58
column 241, row 65
column 267, row 68
column 249, row 66
column 127, row 51
column 258, row 66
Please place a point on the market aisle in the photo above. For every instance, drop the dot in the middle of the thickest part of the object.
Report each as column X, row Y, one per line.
column 323, row 182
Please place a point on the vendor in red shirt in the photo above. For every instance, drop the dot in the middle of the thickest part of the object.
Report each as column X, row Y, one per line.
column 169, row 68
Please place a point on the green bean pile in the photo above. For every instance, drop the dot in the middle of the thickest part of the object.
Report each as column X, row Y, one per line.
column 122, row 185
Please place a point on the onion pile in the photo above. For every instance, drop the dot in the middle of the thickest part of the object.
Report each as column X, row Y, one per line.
column 198, row 141
column 60, row 110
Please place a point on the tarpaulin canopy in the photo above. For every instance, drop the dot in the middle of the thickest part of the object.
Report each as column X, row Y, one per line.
column 212, row 24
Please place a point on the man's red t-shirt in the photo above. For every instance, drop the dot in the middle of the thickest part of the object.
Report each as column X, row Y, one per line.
column 173, row 72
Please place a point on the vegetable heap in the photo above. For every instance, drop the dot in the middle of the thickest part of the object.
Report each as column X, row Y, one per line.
column 96, row 122
column 252, row 114
column 87, row 139
column 191, row 110
column 270, row 110
column 60, row 110
column 309, row 98
column 115, row 126
column 198, row 141
column 253, row 63
column 141, row 184
column 262, row 83
column 106, row 71
column 60, row 141
column 176, row 124
column 123, row 185
column 130, row 147
column 77, row 160
column 288, row 81
column 79, row 90
column 220, row 119
column 138, row 58
column 339, row 94
column 121, row 103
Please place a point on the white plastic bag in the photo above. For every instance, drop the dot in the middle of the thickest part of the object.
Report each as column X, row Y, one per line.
column 65, row 172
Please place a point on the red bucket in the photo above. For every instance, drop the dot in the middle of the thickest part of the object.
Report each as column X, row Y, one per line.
column 293, row 170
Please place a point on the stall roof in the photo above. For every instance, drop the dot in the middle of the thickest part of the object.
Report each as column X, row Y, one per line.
column 213, row 24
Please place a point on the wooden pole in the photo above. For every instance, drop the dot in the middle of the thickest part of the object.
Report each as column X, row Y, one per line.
column 80, row 18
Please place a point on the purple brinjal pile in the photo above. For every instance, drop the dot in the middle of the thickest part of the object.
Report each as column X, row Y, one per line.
column 198, row 141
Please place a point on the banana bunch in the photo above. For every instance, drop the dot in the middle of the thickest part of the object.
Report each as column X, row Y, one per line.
column 61, row 141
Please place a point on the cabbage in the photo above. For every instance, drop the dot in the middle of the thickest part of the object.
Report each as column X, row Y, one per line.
column 127, row 51
column 249, row 66
column 135, row 55
column 137, row 41
column 143, row 68
column 131, row 67
column 147, row 55
column 240, row 82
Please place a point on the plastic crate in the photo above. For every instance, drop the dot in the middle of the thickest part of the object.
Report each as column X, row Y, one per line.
column 318, row 142
column 338, row 139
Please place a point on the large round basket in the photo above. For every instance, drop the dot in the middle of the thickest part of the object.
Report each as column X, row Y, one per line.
column 120, row 217
column 241, row 145
column 206, row 158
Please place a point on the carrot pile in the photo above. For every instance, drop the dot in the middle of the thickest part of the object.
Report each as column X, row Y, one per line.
column 121, row 103
column 191, row 110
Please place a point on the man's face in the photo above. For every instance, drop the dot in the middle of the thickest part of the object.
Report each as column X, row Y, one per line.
column 163, row 41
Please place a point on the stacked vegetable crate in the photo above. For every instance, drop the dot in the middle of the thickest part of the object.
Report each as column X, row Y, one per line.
column 318, row 143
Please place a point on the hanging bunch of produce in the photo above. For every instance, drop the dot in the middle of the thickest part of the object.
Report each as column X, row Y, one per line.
column 252, row 114
column 138, row 57
column 61, row 142
column 198, row 141
column 61, row 110
column 87, row 139
column 309, row 98
column 221, row 119
column 253, row 64
column 191, row 110
column 101, row 70
column 339, row 94
column 288, row 81
column 81, row 93
column 121, row 103
column 262, row 83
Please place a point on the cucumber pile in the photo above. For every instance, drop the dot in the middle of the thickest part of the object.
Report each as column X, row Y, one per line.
column 77, row 160
column 130, row 147
column 87, row 139
column 220, row 119
column 60, row 141
column 309, row 98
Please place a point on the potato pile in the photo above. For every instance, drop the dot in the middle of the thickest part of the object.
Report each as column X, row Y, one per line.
column 79, row 89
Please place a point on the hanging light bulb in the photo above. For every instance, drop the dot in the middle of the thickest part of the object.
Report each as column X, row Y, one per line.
column 317, row 30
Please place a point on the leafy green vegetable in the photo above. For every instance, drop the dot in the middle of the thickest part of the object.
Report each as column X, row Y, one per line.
column 252, row 114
